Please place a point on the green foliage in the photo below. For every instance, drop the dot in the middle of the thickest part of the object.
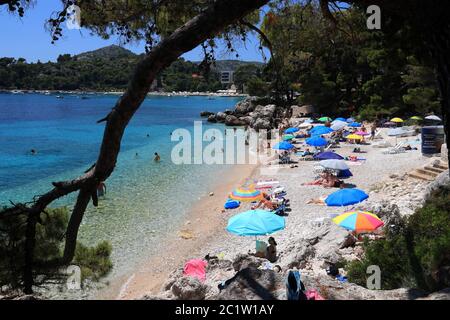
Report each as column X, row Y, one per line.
column 257, row 87
column 415, row 255
column 105, row 69
column 94, row 262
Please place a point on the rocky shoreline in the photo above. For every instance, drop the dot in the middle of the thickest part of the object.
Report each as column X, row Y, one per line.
column 249, row 112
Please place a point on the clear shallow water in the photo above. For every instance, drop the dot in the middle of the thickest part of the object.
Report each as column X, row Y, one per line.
column 144, row 199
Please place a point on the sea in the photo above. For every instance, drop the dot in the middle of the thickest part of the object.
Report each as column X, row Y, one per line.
column 144, row 200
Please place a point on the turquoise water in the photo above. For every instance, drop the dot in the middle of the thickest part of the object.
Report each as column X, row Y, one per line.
column 144, row 199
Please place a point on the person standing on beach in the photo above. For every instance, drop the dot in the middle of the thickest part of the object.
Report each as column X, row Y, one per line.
column 373, row 129
column 157, row 157
column 101, row 189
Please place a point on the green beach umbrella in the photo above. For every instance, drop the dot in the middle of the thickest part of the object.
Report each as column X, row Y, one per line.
column 288, row 137
column 324, row 119
column 416, row 118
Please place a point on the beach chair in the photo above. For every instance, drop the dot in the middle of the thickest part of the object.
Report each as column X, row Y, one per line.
column 398, row 148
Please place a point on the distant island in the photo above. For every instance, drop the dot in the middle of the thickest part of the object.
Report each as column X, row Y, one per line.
column 96, row 71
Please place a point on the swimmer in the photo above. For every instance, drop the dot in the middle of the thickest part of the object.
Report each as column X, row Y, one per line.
column 157, row 157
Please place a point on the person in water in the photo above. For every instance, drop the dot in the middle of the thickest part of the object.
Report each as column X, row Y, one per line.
column 157, row 157
column 33, row 152
column 101, row 189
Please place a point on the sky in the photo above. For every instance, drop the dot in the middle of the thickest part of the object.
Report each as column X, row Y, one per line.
column 27, row 38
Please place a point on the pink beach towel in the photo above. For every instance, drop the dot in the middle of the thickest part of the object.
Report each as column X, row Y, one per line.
column 196, row 268
column 312, row 294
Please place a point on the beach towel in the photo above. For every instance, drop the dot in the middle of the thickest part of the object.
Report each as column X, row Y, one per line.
column 195, row 268
column 312, row 294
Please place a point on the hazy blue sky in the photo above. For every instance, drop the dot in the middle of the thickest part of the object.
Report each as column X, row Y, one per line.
column 26, row 37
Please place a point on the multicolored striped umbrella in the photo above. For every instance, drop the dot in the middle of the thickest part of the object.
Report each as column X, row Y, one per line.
column 358, row 221
column 249, row 194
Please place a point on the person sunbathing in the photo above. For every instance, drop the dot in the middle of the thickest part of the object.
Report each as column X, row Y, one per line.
column 266, row 204
column 324, row 179
column 320, row 200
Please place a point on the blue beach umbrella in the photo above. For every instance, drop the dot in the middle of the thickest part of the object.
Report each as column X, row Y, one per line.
column 350, row 120
column 255, row 223
column 345, row 197
column 340, row 119
column 283, row 146
column 355, row 124
column 345, row 173
column 328, row 155
column 319, row 130
column 316, row 141
column 291, row 130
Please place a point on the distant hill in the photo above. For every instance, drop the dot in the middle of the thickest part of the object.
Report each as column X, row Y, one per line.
column 109, row 52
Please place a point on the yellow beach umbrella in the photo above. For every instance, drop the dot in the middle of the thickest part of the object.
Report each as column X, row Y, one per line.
column 397, row 120
column 354, row 137
column 416, row 118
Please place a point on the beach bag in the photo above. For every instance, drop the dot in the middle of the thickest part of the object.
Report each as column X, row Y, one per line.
column 295, row 289
column 232, row 204
column 312, row 294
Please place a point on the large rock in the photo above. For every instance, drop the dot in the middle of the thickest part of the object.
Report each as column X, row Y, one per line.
column 189, row 288
column 245, row 106
column 442, row 179
column 253, row 284
column 261, row 123
column 242, row 261
column 246, row 119
column 212, row 118
column 221, row 116
column 439, row 295
column 264, row 111
column 231, row 120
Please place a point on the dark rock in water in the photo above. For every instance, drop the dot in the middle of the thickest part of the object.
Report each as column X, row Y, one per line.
column 231, row 120
column 212, row 118
column 228, row 111
column 206, row 113
column 220, row 116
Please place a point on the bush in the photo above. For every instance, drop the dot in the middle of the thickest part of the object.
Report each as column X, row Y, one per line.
column 416, row 256
column 94, row 262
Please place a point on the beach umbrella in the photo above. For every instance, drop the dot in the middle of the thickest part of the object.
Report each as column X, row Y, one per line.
column 319, row 130
column 345, row 197
column 416, row 118
column 255, row 223
column 288, row 137
column 354, row 124
column 328, row 155
column 358, row 221
column 338, row 125
column 350, row 120
column 283, row 146
column 334, row 164
column 246, row 194
column 291, row 130
column 433, row 117
column 316, row 141
column 324, row 119
column 340, row 119
column 396, row 120
column 354, row 137
column 362, row 133
column 345, row 173
column 389, row 123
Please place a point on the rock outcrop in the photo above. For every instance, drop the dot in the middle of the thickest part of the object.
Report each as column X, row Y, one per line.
column 206, row 113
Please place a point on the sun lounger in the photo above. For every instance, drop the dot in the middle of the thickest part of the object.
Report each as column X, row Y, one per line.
column 395, row 150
